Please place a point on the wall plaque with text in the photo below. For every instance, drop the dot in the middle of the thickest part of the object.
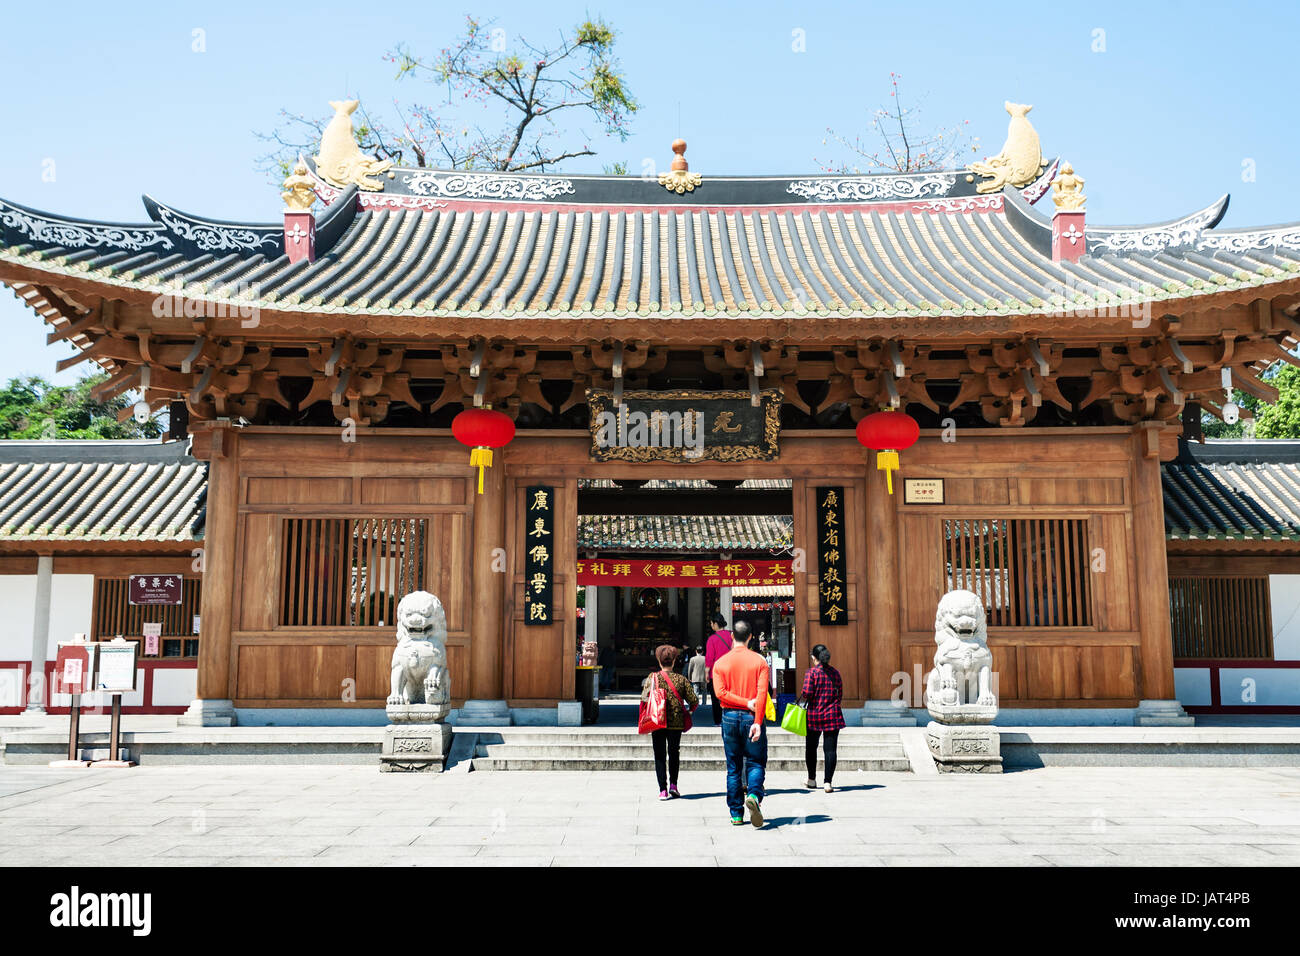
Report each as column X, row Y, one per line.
column 539, row 554
column 922, row 491
column 832, row 564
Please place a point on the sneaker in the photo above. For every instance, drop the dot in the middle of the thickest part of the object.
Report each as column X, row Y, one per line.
column 810, row 784
column 755, row 812
column 663, row 794
column 737, row 821
column 672, row 792
column 829, row 788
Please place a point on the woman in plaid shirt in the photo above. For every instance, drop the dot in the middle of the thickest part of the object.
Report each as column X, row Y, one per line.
column 823, row 692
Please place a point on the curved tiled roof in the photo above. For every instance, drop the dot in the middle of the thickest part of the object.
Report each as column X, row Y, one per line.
column 100, row 491
column 1247, row 490
column 505, row 245
column 684, row 532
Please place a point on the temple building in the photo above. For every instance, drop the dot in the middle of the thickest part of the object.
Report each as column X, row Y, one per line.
column 693, row 345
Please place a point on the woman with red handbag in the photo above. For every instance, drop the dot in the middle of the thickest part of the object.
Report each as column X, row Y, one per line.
column 667, row 700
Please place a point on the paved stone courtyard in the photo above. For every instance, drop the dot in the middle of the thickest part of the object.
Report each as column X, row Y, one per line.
column 337, row 815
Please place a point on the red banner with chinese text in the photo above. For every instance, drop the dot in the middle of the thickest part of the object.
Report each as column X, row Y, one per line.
column 712, row 573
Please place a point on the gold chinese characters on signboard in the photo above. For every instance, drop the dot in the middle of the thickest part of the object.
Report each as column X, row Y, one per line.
column 685, row 425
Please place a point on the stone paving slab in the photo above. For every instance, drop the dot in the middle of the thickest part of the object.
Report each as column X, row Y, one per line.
column 356, row 816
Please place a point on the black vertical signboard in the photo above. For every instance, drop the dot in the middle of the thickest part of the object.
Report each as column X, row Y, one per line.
column 832, row 567
column 539, row 554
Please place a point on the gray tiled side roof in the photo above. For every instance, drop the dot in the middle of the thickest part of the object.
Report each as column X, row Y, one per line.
column 100, row 491
column 1247, row 490
column 684, row 532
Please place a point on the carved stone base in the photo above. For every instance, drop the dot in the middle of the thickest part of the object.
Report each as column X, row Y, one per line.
column 415, row 748
column 961, row 713
column 417, row 713
column 964, row 748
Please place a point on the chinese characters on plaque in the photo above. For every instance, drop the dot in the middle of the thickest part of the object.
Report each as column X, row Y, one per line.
column 705, row 573
column 832, row 566
column 154, row 589
column 539, row 553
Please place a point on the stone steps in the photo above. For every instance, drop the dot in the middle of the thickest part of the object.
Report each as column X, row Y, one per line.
column 600, row 750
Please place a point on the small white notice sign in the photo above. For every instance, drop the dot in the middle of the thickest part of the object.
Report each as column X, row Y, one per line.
column 152, row 632
column 116, row 667
column 72, row 671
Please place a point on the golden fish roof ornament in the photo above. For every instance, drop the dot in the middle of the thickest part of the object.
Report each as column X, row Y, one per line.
column 1021, row 159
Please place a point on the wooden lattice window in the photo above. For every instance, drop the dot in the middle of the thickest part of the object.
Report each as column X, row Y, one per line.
column 350, row 572
column 115, row 615
column 1029, row 572
column 1221, row 617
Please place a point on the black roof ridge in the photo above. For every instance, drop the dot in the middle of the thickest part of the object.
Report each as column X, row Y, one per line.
column 112, row 450
column 1243, row 451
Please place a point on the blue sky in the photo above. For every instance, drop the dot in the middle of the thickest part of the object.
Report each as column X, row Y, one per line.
column 1159, row 121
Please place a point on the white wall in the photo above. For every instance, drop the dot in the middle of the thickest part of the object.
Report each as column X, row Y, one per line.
column 71, row 601
column 1270, row 687
column 1284, row 596
column 175, row 686
column 1192, row 686
column 17, row 616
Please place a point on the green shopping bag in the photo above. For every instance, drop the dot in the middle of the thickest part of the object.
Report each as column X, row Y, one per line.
column 795, row 720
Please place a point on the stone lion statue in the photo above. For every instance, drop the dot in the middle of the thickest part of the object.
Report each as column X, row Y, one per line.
column 420, row 658
column 963, row 664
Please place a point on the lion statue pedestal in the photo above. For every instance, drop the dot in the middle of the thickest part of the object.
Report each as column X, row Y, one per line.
column 418, row 737
column 959, row 691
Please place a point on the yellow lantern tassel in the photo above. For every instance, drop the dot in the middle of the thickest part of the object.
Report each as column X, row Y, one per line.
column 480, row 458
column 887, row 461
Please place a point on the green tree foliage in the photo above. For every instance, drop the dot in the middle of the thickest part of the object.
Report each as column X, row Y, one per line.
column 33, row 408
column 497, row 102
column 1281, row 419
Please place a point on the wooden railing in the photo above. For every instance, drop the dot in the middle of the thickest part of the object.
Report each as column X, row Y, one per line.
column 350, row 572
column 114, row 615
column 1221, row 617
column 1028, row 572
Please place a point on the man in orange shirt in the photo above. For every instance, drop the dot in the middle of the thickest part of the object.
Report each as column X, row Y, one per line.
column 740, row 681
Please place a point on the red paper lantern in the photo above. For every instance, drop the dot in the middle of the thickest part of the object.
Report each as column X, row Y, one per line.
column 482, row 429
column 887, row 433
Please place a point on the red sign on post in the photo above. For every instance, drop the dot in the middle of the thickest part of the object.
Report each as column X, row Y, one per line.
column 72, row 668
column 154, row 589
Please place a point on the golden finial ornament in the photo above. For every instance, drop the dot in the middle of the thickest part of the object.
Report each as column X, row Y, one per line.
column 1021, row 159
column 1067, row 189
column 299, row 189
column 679, row 179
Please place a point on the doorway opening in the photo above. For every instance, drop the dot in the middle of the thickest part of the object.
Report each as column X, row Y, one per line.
column 658, row 558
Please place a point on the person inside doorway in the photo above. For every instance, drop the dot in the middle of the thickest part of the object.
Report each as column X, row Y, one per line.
column 740, row 682
column 718, row 644
column 698, row 674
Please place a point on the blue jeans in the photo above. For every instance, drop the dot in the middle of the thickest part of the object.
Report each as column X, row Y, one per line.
column 743, row 754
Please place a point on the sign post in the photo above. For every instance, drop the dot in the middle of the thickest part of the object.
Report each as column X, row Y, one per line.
column 116, row 675
column 74, row 671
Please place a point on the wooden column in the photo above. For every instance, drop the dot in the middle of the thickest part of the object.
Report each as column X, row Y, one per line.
column 1151, row 566
column 882, row 603
column 489, row 572
column 219, row 558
